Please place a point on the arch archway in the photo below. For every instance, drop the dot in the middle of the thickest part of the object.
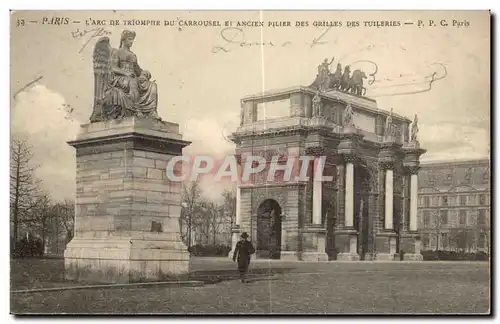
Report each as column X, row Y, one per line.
column 269, row 229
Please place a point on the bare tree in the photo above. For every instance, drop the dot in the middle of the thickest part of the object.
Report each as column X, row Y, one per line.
column 213, row 219
column 230, row 207
column 191, row 199
column 41, row 217
column 24, row 187
column 64, row 213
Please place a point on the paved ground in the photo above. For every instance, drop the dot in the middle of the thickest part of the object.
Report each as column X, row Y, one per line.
column 361, row 287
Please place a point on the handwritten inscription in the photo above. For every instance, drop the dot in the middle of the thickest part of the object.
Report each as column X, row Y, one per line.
column 235, row 37
column 88, row 35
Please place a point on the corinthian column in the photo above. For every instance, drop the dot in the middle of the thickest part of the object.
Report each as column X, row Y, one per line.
column 413, row 199
column 389, row 196
column 317, row 201
column 349, row 191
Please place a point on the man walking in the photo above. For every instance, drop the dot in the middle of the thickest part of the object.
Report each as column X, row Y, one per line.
column 243, row 252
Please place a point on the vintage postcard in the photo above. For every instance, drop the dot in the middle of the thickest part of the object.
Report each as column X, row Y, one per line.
column 250, row 162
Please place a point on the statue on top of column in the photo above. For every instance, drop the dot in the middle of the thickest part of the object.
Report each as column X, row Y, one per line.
column 316, row 105
column 388, row 131
column 348, row 121
column 121, row 87
column 414, row 129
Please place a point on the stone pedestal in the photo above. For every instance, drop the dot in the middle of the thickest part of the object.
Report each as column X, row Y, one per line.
column 410, row 245
column 347, row 244
column 385, row 244
column 127, row 210
column 314, row 247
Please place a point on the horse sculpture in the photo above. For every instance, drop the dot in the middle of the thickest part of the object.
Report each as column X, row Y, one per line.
column 336, row 77
column 356, row 83
column 343, row 81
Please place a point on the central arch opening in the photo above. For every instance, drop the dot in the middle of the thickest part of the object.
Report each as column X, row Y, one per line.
column 269, row 229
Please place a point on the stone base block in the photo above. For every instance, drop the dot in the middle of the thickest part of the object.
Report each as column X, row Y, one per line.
column 370, row 256
column 314, row 256
column 384, row 257
column 413, row 257
column 124, row 260
column 410, row 244
column 348, row 257
column 289, row 256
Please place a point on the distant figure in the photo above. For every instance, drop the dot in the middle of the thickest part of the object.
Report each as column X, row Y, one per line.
column 243, row 252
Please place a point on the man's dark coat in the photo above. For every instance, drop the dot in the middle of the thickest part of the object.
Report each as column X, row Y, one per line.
column 242, row 253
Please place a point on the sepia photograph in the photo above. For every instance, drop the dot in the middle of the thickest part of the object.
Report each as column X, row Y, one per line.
column 250, row 162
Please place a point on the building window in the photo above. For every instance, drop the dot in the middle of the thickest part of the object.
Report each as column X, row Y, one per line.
column 482, row 199
column 463, row 217
column 444, row 201
column 427, row 218
column 486, row 176
column 427, row 201
column 463, row 200
column 443, row 214
column 481, row 218
column 482, row 240
column 468, row 175
column 432, row 179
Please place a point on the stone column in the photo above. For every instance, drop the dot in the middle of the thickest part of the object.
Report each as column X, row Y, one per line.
column 413, row 202
column 317, row 194
column 349, row 192
column 389, row 199
column 314, row 235
column 410, row 240
column 385, row 240
column 346, row 239
column 346, row 236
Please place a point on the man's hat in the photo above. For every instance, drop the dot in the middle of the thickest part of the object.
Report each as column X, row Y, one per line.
column 244, row 235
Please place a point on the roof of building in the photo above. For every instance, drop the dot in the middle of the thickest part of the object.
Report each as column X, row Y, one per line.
column 454, row 162
column 364, row 103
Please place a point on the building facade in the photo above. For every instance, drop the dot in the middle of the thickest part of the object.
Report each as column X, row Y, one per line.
column 455, row 205
column 368, row 211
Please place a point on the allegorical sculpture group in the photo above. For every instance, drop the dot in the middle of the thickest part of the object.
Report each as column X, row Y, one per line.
column 343, row 81
column 121, row 87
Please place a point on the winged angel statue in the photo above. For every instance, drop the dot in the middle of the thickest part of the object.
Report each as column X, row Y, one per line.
column 121, row 87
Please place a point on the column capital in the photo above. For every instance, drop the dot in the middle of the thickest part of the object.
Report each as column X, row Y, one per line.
column 238, row 158
column 412, row 169
column 386, row 165
column 350, row 158
column 315, row 151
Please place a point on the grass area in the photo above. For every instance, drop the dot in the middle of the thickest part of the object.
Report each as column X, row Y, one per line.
column 312, row 288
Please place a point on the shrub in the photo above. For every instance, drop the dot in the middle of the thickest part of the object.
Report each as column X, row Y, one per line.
column 454, row 256
column 218, row 250
column 31, row 247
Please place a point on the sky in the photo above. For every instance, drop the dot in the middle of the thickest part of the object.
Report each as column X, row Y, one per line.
column 200, row 85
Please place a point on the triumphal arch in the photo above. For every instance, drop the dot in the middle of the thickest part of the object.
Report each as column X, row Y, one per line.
column 367, row 212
